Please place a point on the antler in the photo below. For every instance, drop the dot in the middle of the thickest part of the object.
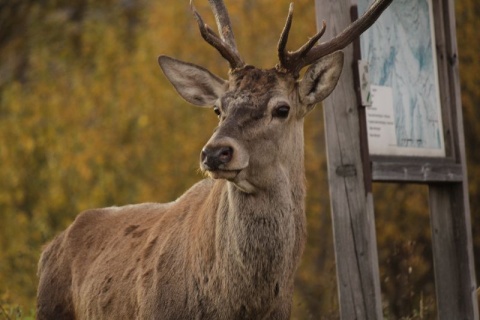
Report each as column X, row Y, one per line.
column 225, row 44
column 310, row 52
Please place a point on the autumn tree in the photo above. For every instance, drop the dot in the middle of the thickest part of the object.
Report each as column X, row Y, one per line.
column 88, row 120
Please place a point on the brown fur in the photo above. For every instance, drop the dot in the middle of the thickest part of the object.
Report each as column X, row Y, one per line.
column 228, row 248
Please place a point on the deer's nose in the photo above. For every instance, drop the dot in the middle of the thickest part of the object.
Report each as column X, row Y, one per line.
column 214, row 157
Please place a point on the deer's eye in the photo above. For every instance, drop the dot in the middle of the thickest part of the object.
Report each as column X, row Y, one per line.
column 217, row 111
column 281, row 111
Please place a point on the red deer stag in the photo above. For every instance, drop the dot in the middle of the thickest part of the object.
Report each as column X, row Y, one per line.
column 229, row 247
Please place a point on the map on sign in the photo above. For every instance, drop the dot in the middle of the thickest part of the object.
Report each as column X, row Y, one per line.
column 405, row 116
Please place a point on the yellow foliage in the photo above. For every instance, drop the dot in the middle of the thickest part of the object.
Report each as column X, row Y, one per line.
column 88, row 120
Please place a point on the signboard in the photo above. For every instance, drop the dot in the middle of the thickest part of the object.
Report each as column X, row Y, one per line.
column 404, row 118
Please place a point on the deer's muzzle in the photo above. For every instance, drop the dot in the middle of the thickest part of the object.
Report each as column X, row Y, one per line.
column 223, row 158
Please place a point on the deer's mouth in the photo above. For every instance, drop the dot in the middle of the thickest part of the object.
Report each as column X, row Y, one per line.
column 237, row 177
column 223, row 174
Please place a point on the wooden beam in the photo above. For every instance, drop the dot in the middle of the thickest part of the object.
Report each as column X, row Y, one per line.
column 452, row 253
column 450, row 218
column 416, row 171
column 352, row 208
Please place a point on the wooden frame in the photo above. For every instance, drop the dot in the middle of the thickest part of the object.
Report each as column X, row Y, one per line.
column 351, row 172
column 421, row 169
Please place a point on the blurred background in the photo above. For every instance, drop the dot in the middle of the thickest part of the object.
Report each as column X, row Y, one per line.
column 88, row 120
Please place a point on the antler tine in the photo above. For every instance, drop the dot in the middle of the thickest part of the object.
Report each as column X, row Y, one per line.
column 309, row 53
column 223, row 23
column 289, row 60
column 282, row 43
column 225, row 44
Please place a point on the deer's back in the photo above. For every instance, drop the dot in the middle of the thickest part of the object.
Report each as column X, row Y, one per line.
column 117, row 262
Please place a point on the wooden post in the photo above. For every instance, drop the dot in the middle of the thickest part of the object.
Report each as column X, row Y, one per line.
column 449, row 206
column 352, row 206
column 452, row 252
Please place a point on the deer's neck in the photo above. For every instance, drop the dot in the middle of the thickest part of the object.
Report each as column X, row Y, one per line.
column 248, row 248
column 261, row 235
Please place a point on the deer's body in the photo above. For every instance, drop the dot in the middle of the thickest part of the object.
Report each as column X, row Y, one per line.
column 175, row 261
column 215, row 253
column 229, row 247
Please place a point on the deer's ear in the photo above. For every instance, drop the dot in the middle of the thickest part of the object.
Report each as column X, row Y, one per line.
column 320, row 79
column 195, row 84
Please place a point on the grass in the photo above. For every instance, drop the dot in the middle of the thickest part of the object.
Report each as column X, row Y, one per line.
column 8, row 312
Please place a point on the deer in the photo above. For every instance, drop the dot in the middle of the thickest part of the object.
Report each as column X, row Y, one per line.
column 228, row 248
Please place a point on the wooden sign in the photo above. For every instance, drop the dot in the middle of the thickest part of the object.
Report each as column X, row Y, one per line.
column 405, row 117
column 415, row 136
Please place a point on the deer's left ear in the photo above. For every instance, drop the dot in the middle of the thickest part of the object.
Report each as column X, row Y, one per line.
column 195, row 84
column 320, row 79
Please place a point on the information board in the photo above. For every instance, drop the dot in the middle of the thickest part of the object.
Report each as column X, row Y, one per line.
column 404, row 118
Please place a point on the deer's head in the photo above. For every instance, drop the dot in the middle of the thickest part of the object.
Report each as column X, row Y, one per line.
column 260, row 132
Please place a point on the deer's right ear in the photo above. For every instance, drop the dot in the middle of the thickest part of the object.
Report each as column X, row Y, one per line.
column 320, row 79
column 195, row 84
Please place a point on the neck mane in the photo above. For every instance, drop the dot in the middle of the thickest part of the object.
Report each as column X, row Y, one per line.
column 256, row 241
